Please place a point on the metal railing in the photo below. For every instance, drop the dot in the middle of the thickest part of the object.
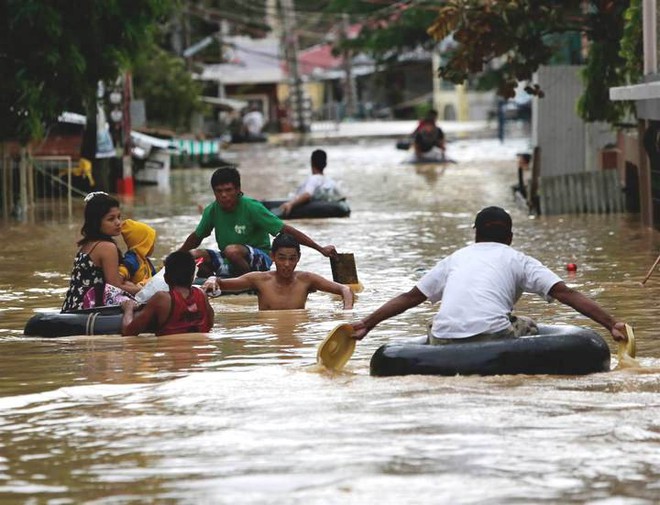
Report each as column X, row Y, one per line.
column 39, row 184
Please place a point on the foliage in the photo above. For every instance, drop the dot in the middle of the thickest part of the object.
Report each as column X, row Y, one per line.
column 605, row 67
column 388, row 29
column 505, row 42
column 53, row 53
column 631, row 42
column 170, row 93
column 514, row 32
column 518, row 32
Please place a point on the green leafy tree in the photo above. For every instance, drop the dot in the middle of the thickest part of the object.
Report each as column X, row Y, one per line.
column 170, row 93
column 521, row 34
column 632, row 47
column 53, row 53
column 504, row 42
column 388, row 28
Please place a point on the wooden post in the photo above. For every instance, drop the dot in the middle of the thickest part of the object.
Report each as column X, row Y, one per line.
column 22, row 181
column 30, row 180
column 69, row 200
column 651, row 270
column 5, row 166
column 533, row 203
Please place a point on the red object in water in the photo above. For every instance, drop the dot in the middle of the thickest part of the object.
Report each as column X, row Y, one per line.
column 571, row 267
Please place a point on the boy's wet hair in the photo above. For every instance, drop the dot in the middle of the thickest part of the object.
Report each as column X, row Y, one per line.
column 96, row 207
column 179, row 269
column 285, row 240
column 226, row 175
column 319, row 159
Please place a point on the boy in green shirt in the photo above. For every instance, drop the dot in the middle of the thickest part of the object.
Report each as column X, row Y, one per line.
column 242, row 230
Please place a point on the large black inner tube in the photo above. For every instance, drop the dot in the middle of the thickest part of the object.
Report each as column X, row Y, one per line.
column 104, row 320
column 313, row 209
column 100, row 321
column 557, row 350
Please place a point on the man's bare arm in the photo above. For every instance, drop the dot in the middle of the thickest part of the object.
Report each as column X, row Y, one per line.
column 322, row 284
column 133, row 323
column 242, row 283
column 191, row 242
column 395, row 306
column 584, row 305
column 328, row 251
column 288, row 206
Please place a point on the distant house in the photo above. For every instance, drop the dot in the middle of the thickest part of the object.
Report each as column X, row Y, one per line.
column 256, row 72
column 395, row 90
column 252, row 74
column 63, row 138
column 399, row 89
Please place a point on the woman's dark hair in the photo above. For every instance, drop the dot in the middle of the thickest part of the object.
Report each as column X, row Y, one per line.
column 96, row 207
column 179, row 269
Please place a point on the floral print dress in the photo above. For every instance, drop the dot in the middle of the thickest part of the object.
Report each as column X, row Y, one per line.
column 85, row 274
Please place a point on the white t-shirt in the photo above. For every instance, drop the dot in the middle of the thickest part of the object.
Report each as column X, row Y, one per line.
column 253, row 122
column 479, row 285
column 319, row 187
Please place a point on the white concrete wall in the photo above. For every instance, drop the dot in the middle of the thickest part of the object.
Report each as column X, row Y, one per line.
column 558, row 130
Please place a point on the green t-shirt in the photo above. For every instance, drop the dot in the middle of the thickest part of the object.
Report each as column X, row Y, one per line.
column 250, row 223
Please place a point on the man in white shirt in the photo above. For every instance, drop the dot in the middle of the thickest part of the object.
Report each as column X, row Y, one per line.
column 479, row 285
column 253, row 122
column 316, row 187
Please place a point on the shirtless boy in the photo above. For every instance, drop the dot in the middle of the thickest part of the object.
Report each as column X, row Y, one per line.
column 283, row 289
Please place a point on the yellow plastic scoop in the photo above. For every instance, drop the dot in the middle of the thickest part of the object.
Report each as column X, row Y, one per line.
column 337, row 347
column 628, row 348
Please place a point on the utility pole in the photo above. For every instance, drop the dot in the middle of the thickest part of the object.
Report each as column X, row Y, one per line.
column 296, row 95
column 349, row 82
column 223, row 30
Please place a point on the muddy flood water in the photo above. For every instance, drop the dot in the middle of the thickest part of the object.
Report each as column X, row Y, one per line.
column 243, row 415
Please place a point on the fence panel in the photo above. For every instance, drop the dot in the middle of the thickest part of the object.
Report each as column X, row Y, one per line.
column 40, row 185
column 587, row 192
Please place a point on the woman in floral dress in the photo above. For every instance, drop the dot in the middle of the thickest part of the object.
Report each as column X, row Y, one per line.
column 96, row 265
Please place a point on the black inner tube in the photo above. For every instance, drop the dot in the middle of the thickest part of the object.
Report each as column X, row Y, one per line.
column 560, row 350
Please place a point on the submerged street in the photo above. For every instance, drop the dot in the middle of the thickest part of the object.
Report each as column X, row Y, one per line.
column 244, row 415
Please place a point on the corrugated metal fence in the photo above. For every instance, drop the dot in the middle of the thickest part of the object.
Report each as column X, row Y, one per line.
column 584, row 193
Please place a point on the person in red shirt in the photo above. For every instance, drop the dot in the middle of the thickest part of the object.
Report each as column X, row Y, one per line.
column 428, row 135
column 183, row 309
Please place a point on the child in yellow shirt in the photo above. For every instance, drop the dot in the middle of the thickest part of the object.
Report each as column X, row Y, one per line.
column 140, row 240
